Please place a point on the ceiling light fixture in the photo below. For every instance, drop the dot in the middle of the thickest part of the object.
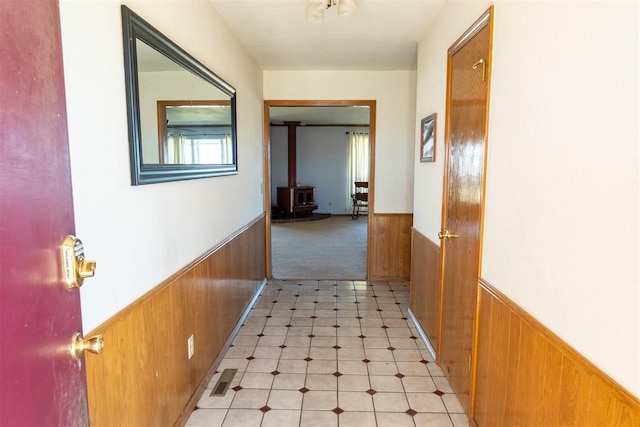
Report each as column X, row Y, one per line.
column 316, row 8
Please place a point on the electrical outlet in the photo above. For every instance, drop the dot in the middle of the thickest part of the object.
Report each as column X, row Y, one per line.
column 190, row 347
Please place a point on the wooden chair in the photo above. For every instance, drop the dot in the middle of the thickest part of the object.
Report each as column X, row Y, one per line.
column 360, row 198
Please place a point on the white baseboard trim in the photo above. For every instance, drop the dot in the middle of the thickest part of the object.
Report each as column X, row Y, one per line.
column 423, row 336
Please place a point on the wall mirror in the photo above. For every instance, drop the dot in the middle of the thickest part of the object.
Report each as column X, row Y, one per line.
column 182, row 116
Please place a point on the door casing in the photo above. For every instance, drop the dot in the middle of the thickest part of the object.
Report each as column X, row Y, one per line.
column 267, row 165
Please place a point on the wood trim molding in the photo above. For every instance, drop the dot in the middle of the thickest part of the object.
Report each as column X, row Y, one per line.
column 472, row 31
column 527, row 375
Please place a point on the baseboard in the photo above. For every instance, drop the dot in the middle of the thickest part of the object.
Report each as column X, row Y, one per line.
column 423, row 336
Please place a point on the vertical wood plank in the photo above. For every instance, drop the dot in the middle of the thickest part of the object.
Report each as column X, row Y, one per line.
column 391, row 257
column 511, row 415
column 424, row 292
column 550, row 412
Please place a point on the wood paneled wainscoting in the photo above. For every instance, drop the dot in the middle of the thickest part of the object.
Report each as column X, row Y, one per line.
column 144, row 377
column 390, row 246
column 424, row 292
column 527, row 376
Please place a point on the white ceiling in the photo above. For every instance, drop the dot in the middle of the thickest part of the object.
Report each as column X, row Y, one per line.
column 382, row 35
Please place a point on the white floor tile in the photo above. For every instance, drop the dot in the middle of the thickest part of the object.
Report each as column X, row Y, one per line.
column 334, row 367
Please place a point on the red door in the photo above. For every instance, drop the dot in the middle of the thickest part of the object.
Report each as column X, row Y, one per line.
column 40, row 383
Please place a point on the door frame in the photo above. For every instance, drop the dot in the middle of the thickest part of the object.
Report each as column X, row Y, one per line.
column 266, row 155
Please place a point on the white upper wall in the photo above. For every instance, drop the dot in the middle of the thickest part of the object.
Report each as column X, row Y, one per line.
column 394, row 93
column 141, row 235
column 562, row 212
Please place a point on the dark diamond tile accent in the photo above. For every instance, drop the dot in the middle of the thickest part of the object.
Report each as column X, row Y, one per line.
column 296, row 295
column 371, row 391
column 303, row 390
column 359, row 317
column 399, row 375
column 410, row 412
column 391, row 290
column 424, row 361
column 361, row 336
column 384, row 327
column 315, row 302
column 314, row 317
column 265, row 408
column 274, row 301
column 375, row 296
column 356, row 302
column 366, row 360
column 413, row 337
column 268, row 316
column 307, row 359
column 336, row 296
column 237, row 388
column 282, row 346
column 397, row 303
column 311, row 335
column 260, row 335
column 438, row 392
column 275, row 373
column 250, row 358
column 337, row 347
column 288, row 326
column 404, row 318
column 336, row 326
column 379, row 309
column 336, row 309
column 338, row 410
column 337, row 374
column 391, row 348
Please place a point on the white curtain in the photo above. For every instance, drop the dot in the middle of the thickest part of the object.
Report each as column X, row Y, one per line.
column 358, row 162
column 175, row 154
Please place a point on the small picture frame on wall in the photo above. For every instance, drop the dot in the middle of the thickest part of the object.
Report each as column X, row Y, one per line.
column 428, row 138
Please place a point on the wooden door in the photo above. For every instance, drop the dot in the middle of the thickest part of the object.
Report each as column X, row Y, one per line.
column 465, row 134
column 40, row 383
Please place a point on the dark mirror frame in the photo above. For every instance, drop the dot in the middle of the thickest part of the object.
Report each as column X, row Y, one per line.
column 135, row 28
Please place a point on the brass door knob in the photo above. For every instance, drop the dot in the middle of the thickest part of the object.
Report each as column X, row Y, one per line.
column 446, row 234
column 79, row 345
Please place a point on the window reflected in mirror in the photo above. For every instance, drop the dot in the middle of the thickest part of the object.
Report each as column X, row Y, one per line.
column 195, row 132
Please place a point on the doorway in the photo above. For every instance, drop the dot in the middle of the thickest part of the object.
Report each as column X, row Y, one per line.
column 313, row 118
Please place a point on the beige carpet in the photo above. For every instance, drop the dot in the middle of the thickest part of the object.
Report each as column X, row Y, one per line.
column 332, row 248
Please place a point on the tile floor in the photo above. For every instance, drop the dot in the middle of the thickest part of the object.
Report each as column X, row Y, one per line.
column 330, row 353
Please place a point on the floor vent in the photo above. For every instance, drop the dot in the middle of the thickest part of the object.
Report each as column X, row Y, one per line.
column 223, row 383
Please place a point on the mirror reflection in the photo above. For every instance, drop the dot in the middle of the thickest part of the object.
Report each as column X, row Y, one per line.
column 195, row 132
column 181, row 115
